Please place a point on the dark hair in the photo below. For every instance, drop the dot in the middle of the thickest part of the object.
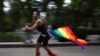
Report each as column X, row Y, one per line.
column 38, row 13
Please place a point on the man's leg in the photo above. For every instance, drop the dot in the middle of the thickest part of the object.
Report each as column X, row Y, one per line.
column 39, row 40
column 51, row 53
column 45, row 43
column 37, row 48
column 47, row 49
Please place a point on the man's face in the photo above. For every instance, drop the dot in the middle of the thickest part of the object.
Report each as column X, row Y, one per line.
column 34, row 15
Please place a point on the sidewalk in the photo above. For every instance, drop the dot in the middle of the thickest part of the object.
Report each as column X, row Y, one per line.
column 52, row 43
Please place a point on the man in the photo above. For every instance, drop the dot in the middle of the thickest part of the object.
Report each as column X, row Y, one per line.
column 44, row 36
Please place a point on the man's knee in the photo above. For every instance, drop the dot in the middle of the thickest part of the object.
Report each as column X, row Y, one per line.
column 37, row 44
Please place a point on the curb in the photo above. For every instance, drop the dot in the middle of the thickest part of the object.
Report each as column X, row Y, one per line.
column 18, row 45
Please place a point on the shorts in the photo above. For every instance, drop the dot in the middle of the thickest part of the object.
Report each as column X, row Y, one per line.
column 43, row 40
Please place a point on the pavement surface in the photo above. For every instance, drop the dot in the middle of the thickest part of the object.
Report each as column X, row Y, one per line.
column 60, row 51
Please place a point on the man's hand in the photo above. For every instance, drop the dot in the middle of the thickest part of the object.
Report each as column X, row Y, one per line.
column 27, row 27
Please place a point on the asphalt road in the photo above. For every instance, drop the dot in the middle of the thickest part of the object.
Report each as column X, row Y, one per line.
column 61, row 51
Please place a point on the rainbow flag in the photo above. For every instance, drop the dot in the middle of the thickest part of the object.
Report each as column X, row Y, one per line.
column 67, row 33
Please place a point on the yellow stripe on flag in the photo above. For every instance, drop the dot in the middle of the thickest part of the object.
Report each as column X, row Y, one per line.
column 69, row 34
column 63, row 33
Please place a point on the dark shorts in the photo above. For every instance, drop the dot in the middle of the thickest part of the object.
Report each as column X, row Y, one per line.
column 43, row 40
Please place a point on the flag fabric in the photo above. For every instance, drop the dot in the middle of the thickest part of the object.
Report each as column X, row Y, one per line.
column 67, row 33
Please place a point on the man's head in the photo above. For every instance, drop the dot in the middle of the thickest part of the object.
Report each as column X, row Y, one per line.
column 36, row 14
